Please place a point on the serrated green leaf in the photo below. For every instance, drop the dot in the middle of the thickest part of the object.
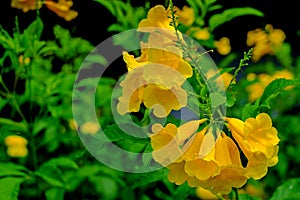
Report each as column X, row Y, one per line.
column 218, row 19
column 9, row 188
column 288, row 190
column 274, row 88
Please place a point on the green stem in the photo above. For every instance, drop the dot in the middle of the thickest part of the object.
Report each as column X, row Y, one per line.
column 236, row 193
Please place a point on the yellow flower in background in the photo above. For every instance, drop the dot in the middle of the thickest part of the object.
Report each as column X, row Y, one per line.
column 261, row 81
column 221, row 80
column 186, row 15
column 258, row 141
column 265, row 42
column 16, row 146
column 26, row 5
column 89, row 128
column 61, row 8
column 199, row 33
column 223, row 46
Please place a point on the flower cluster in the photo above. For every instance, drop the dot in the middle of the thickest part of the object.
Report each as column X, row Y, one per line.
column 201, row 154
column 210, row 159
column 143, row 84
column 61, row 7
column 265, row 42
column 16, row 146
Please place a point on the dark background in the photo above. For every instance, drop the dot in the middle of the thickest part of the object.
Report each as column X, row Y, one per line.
column 93, row 20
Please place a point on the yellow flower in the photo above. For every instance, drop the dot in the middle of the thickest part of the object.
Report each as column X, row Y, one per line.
column 186, row 15
column 205, row 194
column 220, row 169
column 265, row 42
column 196, row 158
column 90, row 128
column 157, row 17
column 258, row 141
column 223, row 46
column 220, row 79
column 261, row 81
column 169, row 57
column 26, row 5
column 167, row 141
column 62, row 9
column 163, row 101
column 155, row 90
column 199, row 33
column 16, row 146
column 73, row 124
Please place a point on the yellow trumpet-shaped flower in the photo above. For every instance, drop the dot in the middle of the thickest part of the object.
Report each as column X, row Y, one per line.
column 220, row 169
column 258, row 141
column 16, row 146
column 155, row 90
column 158, row 17
column 198, row 158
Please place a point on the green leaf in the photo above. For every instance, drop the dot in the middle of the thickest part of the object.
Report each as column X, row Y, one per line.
column 51, row 174
column 34, row 30
column 275, row 87
column 11, row 169
column 55, row 194
column 217, row 99
column 9, row 188
column 249, row 111
column 288, row 190
column 109, row 5
column 63, row 162
column 218, row 19
column 147, row 178
column 52, row 171
column 115, row 133
column 230, row 98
